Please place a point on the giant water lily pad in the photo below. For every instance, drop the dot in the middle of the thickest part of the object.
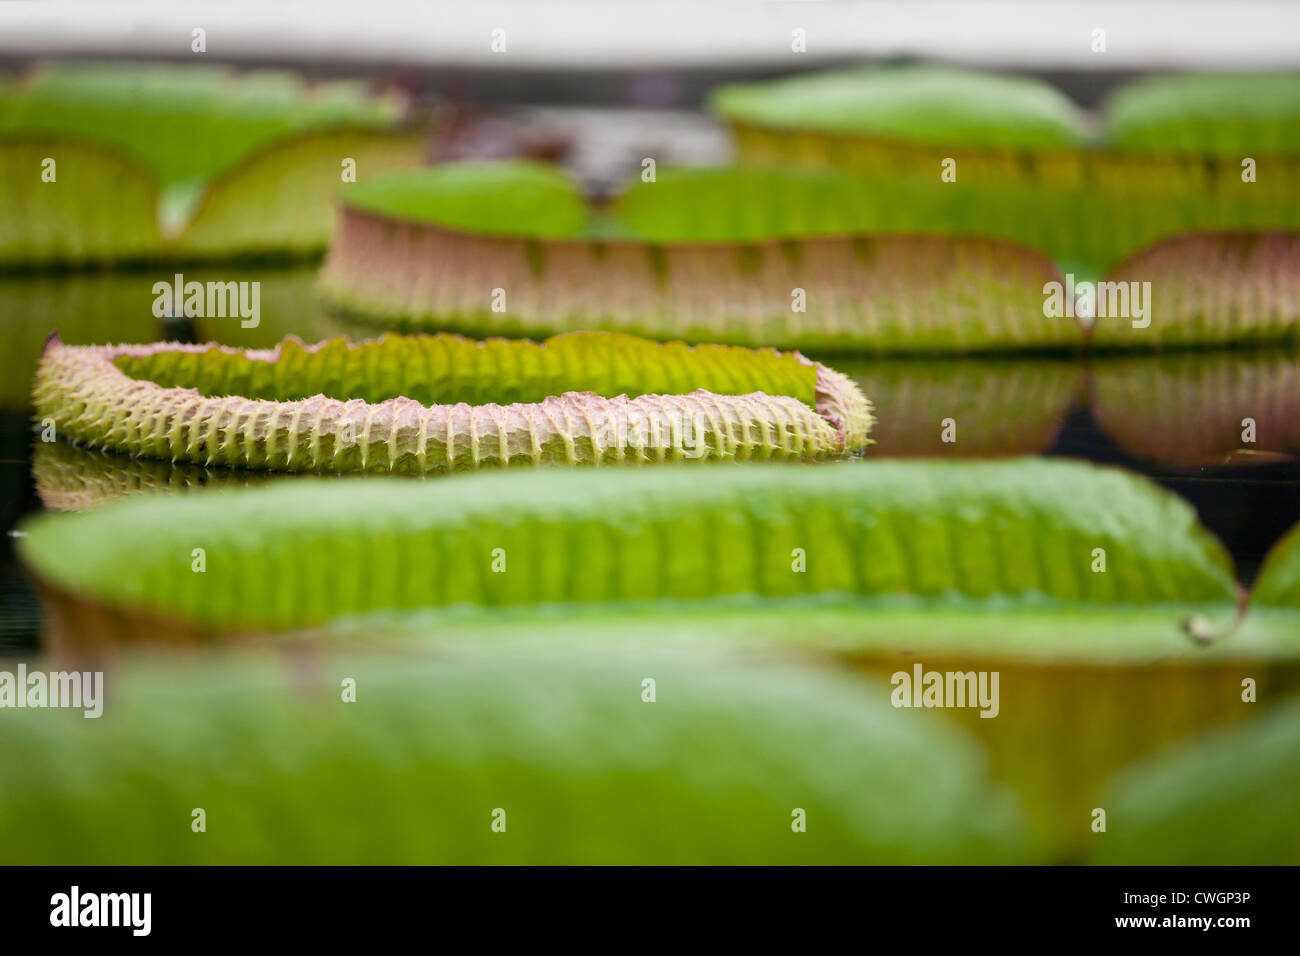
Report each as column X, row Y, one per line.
column 816, row 259
column 500, row 756
column 445, row 403
column 137, row 162
column 1107, row 611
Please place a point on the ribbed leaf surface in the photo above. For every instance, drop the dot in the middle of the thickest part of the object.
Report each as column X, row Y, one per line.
column 814, row 259
column 102, row 207
column 282, row 200
column 184, row 122
column 438, row 403
column 138, row 148
column 1208, row 288
column 304, row 552
column 445, row 369
column 1172, row 157
column 739, row 256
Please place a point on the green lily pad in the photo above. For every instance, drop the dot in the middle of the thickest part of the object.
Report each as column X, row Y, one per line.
column 980, row 568
column 126, row 163
column 495, row 757
column 1232, row 115
column 185, row 122
column 729, row 255
column 295, row 555
column 812, row 259
column 445, row 403
column 1227, row 797
column 923, row 103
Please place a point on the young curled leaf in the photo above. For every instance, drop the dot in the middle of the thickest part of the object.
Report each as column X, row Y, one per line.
column 444, row 403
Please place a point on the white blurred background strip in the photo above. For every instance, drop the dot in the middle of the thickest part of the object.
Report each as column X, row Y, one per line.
column 623, row 34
